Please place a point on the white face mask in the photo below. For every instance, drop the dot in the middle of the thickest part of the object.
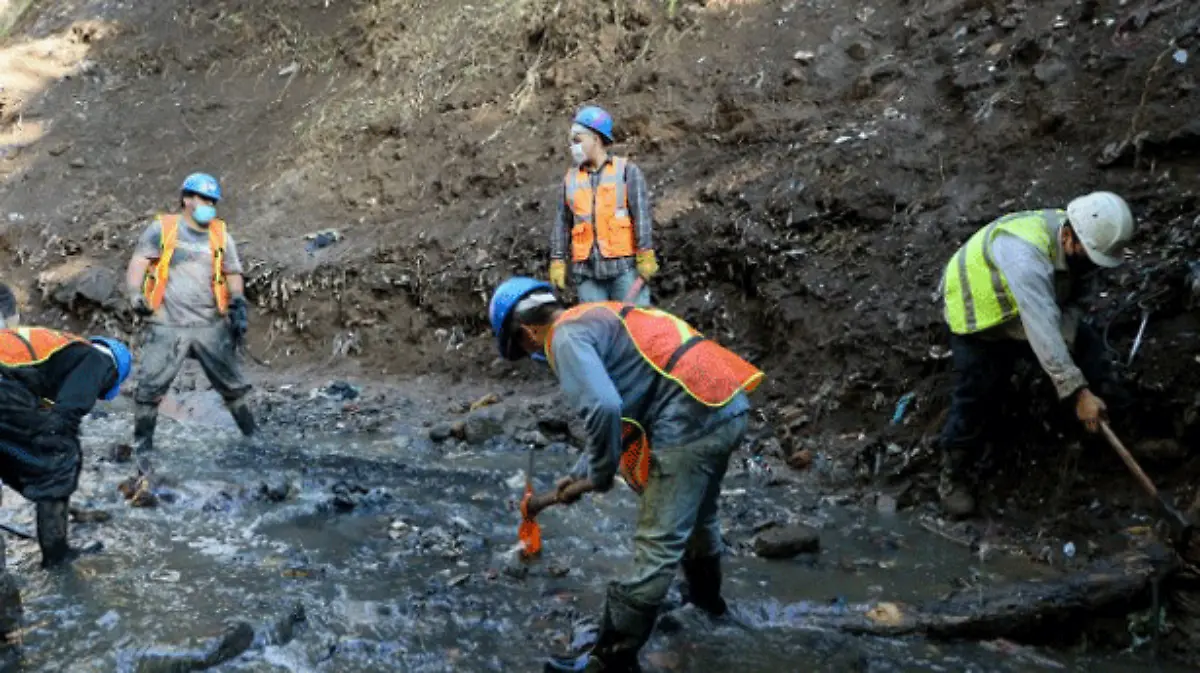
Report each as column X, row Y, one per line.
column 577, row 154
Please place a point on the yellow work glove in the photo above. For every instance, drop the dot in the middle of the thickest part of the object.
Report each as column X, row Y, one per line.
column 558, row 273
column 647, row 263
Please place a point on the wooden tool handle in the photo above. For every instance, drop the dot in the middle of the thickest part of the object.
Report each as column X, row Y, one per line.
column 1132, row 464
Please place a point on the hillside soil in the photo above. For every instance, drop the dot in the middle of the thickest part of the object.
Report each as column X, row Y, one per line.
column 813, row 164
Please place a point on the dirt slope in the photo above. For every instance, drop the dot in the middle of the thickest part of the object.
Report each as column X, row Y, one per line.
column 813, row 164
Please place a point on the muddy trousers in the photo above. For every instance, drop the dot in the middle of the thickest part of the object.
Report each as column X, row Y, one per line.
column 10, row 605
column 677, row 524
column 983, row 368
column 165, row 349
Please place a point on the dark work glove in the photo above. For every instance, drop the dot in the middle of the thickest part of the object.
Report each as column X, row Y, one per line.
column 140, row 305
column 239, row 319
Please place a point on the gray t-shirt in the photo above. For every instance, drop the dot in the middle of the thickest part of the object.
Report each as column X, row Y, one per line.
column 189, row 300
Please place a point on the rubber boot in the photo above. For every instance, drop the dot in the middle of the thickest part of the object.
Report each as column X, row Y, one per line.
column 243, row 417
column 703, row 587
column 624, row 629
column 954, row 493
column 52, row 533
column 145, row 419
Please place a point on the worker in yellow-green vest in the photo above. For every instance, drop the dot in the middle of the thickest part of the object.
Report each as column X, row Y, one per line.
column 1003, row 294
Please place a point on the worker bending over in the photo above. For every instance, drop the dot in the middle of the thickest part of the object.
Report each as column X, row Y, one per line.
column 629, row 371
column 50, row 380
column 1003, row 295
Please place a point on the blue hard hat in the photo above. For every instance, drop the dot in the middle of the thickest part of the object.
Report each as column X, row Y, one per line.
column 124, row 360
column 597, row 120
column 504, row 300
column 203, row 184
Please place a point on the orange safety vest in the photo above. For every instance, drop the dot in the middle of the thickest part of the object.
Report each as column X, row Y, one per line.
column 711, row 374
column 604, row 210
column 27, row 346
column 154, row 285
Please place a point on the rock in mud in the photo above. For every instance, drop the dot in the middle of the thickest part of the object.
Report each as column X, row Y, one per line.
column 121, row 453
column 484, row 424
column 441, row 432
column 80, row 515
column 81, row 279
column 277, row 489
column 236, row 640
column 783, row 542
column 800, row 460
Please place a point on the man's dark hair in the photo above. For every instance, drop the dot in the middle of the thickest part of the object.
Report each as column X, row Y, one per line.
column 8, row 302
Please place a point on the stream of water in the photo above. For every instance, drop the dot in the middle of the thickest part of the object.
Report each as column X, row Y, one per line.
column 400, row 557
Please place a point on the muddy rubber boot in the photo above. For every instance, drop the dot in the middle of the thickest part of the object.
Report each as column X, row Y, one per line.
column 954, row 493
column 145, row 419
column 626, row 627
column 243, row 417
column 52, row 533
column 703, row 587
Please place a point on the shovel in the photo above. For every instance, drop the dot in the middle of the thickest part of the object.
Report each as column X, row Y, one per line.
column 1181, row 525
column 529, row 533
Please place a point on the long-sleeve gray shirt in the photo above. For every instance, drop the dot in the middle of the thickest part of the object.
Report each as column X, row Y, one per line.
column 597, row 267
column 1039, row 286
column 605, row 378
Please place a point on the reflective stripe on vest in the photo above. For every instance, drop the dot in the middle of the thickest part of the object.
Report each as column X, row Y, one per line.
column 154, row 285
column 710, row 374
column 601, row 214
column 975, row 293
column 27, row 346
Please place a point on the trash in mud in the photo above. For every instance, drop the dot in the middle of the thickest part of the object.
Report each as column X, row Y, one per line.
column 321, row 239
column 138, row 492
column 888, row 614
column 485, row 401
column 339, row 390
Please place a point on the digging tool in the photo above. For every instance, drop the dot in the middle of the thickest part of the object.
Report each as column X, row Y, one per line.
column 1182, row 525
column 535, row 504
column 529, row 532
column 634, row 289
column 16, row 531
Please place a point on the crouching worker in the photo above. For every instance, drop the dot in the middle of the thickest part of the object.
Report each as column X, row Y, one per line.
column 50, row 380
column 627, row 367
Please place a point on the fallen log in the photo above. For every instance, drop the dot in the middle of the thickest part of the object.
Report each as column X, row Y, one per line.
column 1031, row 611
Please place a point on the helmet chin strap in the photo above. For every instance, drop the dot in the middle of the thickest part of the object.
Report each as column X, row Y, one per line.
column 107, row 351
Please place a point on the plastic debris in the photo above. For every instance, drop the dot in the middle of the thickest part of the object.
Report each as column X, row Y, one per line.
column 1180, row 56
column 321, row 239
column 1069, row 550
column 902, row 407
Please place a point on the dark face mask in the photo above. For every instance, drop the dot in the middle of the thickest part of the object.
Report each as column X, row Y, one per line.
column 1079, row 265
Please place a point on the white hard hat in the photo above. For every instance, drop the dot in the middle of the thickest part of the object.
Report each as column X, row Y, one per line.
column 1103, row 224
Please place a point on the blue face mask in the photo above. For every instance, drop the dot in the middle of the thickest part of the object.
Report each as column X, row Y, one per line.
column 203, row 214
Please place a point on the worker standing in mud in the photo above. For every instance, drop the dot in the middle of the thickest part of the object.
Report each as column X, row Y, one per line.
column 186, row 278
column 603, row 226
column 1003, row 295
column 625, row 367
column 50, row 380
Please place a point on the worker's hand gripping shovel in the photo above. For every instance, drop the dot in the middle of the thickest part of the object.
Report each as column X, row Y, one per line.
column 1181, row 527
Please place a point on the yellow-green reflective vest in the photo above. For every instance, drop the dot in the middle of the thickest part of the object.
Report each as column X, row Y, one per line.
column 975, row 292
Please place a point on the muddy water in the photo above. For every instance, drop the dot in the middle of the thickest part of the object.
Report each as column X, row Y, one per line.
column 400, row 558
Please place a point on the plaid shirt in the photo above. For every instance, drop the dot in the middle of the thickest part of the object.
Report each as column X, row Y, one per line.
column 597, row 267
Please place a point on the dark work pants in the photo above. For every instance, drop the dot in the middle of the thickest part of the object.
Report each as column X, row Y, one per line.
column 983, row 368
